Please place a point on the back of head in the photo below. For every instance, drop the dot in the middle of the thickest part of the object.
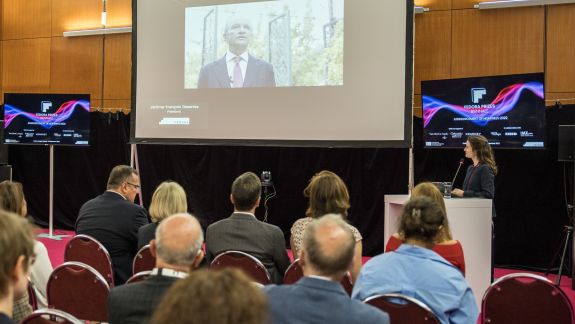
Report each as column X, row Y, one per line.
column 421, row 220
column 16, row 239
column 119, row 175
column 246, row 190
column 428, row 189
column 169, row 198
column 179, row 240
column 327, row 194
column 481, row 147
column 11, row 197
column 206, row 296
column 328, row 246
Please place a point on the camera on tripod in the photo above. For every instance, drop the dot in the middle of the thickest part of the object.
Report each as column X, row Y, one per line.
column 266, row 179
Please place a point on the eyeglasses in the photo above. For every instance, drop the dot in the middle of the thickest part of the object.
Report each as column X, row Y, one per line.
column 134, row 185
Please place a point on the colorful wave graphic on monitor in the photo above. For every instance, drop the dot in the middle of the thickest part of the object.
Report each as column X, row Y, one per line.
column 503, row 103
column 53, row 119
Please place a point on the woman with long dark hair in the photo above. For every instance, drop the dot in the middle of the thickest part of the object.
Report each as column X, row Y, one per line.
column 480, row 177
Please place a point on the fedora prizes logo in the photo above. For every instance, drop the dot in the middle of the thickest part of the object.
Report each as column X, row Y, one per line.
column 477, row 94
column 45, row 106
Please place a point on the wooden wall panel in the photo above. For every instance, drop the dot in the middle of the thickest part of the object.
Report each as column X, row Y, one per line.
column 417, row 106
column 434, row 4
column 114, row 106
column 566, row 98
column 25, row 19
column 73, row 15
column 117, row 66
column 119, row 13
column 77, row 65
column 26, row 65
column 465, row 4
column 495, row 42
column 432, row 47
column 560, row 73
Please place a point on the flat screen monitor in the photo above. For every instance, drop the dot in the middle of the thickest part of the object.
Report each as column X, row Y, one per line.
column 47, row 119
column 509, row 110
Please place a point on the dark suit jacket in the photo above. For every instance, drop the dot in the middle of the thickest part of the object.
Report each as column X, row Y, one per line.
column 136, row 302
column 146, row 233
column 114, row 222
column 259, row 73
column 313, row 300
column 479, row 182
column 241, row 232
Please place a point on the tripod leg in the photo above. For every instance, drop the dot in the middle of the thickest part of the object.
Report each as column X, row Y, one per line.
column 562, row 243
column 558, row 280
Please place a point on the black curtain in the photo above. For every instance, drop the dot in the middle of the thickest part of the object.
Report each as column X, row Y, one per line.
column 529, row 200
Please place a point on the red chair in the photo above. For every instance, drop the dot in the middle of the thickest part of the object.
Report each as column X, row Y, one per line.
column 347, row 283
column 32, row 298
column 86, row 249
column 525, row 298
column 140, row 276
column 80, row 290
column 50, row 316
column 293, row 273
column 403, row 309
column 144, row 260
column 250, row 265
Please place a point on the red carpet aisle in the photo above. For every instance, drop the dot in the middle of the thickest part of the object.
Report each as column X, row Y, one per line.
column 56, row 252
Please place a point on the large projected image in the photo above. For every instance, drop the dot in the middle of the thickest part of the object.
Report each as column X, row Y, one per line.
column 508, row 110
column 46, row 119
column 264, row 44
column 261, row 72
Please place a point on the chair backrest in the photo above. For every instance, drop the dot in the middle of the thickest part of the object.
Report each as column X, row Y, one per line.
column 403, row 309
column 50, row 316
column 525, row 298
column 293, row 273
column 144, row 260
column 250, row 265
column 80, row 290
column 140, row 276
column 86, row 249
column 347, row 283
column 32, row 298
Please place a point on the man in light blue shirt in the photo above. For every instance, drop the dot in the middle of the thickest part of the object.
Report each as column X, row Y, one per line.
column 420, row 273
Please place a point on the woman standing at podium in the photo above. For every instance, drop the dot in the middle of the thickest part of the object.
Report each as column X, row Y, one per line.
column 479, row 179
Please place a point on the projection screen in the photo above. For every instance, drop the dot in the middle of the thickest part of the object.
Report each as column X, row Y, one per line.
column 333, row 73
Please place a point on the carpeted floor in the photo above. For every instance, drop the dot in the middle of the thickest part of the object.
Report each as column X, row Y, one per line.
column 57, row 244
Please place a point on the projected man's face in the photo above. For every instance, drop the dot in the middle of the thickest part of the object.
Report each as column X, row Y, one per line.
column 238, row 34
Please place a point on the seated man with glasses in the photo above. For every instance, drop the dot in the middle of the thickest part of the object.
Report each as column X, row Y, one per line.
column 113, row 219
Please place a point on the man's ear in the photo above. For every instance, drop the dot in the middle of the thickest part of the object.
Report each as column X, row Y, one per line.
column 198, row 259
column 232, row 199
column 301, row 258
column 153, row 247
column 258, row 201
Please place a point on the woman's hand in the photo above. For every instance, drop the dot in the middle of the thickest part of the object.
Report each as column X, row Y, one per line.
column 457, row 192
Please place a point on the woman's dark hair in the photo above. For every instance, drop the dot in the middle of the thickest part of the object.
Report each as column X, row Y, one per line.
column 422, row 219
column 482, row 149
column 327, row 194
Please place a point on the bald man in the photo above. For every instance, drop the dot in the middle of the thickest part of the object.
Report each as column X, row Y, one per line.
column 327, row 254
column 178, row 249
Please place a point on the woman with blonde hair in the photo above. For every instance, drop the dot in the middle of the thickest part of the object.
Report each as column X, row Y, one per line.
column 12, row 199
column 327, row 194
column 169, row 198
column 445, row 245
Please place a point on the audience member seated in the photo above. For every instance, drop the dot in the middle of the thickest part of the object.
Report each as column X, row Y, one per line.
column 178, row 248
column 327, row 194
column 12, row 199
column 416, row 271
column 168, row 199
column 113, row 219
column 16, row 259
column 326, row 256
column 206, row 296
column 450, row 249
column 243, row 232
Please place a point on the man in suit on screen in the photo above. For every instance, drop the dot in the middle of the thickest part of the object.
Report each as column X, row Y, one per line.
column 238, row 68
column 178, row 249
column 243, row 232
column 113, row 219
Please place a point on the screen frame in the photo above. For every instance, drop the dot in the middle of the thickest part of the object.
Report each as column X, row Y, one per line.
column 545, row 140
column 406, row 142
column 87, row 95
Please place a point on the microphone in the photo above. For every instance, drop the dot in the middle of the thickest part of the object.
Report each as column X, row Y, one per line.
column 457, row 172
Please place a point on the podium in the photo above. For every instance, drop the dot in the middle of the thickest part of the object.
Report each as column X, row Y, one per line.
column 470, row 223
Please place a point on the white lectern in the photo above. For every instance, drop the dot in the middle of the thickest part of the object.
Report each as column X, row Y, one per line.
column 470, row 222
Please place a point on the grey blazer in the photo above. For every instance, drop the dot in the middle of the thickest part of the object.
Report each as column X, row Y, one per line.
column 259, row 73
